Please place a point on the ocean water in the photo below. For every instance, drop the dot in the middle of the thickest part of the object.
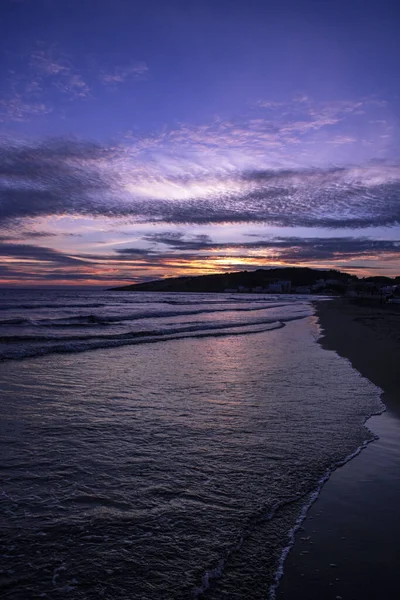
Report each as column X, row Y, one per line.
column 164, row 446
column 43, row 321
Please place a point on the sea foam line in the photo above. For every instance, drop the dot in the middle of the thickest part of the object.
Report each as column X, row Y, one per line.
column 314, row 496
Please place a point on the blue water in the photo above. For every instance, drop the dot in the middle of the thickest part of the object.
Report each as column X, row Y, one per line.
column 164, row 446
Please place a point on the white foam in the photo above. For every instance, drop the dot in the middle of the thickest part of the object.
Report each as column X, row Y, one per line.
column 312, row 498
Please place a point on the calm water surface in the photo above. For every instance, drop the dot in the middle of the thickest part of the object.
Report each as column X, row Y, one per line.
column 173, row 458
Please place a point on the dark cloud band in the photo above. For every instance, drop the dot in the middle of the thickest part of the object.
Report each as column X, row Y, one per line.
column 70, row 177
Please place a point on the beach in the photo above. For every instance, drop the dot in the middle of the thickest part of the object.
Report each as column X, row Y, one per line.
column 348, row 545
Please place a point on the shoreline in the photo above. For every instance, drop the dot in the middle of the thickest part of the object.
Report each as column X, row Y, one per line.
column 347, row 545
column 367, row 334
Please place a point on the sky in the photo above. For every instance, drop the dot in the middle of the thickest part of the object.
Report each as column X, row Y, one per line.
column 150, row 139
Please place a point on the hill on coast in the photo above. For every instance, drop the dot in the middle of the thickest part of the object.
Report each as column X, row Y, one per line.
column 244, row 280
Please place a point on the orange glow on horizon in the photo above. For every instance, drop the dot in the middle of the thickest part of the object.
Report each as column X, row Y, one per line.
column 103, row 272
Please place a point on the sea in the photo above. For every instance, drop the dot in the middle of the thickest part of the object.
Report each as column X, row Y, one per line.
column 164, row 446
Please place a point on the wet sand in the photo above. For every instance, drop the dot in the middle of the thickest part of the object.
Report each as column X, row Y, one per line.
column 349, row 545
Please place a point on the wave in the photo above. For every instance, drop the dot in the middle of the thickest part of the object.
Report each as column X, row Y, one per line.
column 82, row 344
column 184, row 328
column 39, row 306
column 93, row 319
column 221, row 300
column 16, row 321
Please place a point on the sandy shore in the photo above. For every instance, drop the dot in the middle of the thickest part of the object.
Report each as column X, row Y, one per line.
column 368, row 334
column 349, row 545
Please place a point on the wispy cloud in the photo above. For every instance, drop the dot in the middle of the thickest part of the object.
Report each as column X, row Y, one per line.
column 342, row 139
column 43, row 61
column 17, row 107
column 51, row 67
column 289, row 249
column 47, row 75
column 298, row 133
column 121, row 74
column 28, row 92
column 36, row 253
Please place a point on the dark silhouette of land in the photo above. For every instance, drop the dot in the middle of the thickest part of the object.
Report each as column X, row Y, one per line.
column 264, row 280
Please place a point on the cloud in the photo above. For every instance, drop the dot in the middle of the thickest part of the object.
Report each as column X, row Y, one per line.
column 318, row 114
column 38, row 234
column 36, row 253
column 293, row 250
column 49, row 179
column 296, row 134
column 73, row 86
column 336, row 248
column 51, row 67
column 62, row 177
column 28, row 92
column 134, row 252
column 25, row 262
column 30, row 88
column 25, row 233
column 177, row 253
column 177, row 241
column 342, row 139
column 121, row 74
column 289, row 248
column 43, row 62
column 19, row 108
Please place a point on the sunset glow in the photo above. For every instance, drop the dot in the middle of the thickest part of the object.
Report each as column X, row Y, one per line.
column 135, row 160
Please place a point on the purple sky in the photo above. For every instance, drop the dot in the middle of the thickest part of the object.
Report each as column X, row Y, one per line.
column 149, row 139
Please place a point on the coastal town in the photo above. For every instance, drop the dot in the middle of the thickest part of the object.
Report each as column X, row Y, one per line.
column 390, row 292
